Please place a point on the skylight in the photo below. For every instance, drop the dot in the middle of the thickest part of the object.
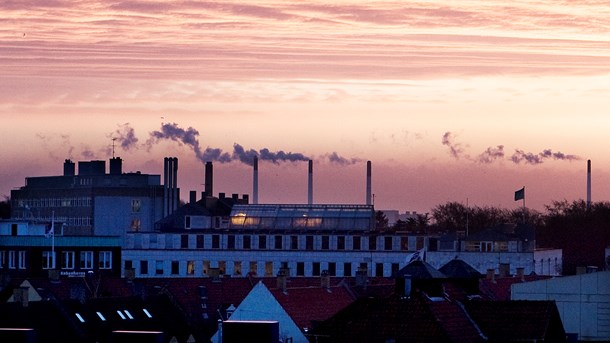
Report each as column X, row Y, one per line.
column 121, row 314
column 147, row 313
column 99, row 314
column 82, row 320
column 128, row 314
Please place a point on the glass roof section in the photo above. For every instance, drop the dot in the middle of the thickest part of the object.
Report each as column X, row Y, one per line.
column 310, row 217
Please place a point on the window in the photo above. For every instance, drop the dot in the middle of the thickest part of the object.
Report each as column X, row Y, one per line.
column 175, row 267
column 184, row 241
column 253, row 268
column 387, row 243
column 222, row 267
column 294, row 242
column 21, row 262
column 136, row 224
column 404, row 243
column 395, row 268
column 48, row 260
column 190, row 268
column 419, row 243
column 144, row 267
column 347, row 269
column 86, row 260
column 262, row 242
column 356, row 243
column 332, row 268
column 158, row 267
column 206, row 267
column 247, row 242
column 300, row 268
column 199, row 242
column 373, row 243
column 215, row 241
column 378, row 269
column 11, row 259
column 308, row 242
column 67, row 260
column 278, row 242
column 341, row 243
column 268, row 268
column 315, row 269
column 3, row 258
column 237, row 268
column 135, row 205
column 105, row 261
column 231, row 242
column 325, row 242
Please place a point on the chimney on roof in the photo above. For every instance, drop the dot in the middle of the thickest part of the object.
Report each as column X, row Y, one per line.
column 282, row 278
column 491, row 275
column 361, row 277
column 504, row 269
column 116, row 166
column 325, row 280
column 21, row 295
column 192, row 197
column 69, row 168
column 521, row 273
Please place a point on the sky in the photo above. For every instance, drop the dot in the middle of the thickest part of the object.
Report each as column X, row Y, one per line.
column 464, row 101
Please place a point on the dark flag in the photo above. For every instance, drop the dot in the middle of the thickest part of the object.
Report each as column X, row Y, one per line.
column 520, row 194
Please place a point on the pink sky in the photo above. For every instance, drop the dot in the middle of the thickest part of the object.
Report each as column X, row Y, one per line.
column 449, row 100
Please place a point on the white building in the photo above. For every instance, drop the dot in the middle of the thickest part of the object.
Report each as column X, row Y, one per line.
column 583, row 302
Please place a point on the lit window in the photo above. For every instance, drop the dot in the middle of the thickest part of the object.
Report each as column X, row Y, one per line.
column 147, row 313
column 80, row 318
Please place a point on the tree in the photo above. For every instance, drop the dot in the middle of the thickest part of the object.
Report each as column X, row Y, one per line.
column 381, row 221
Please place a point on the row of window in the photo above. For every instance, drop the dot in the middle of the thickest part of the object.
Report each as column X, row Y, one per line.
column 17, row 259
column 206, row 269
column 68, row 260
column 297, row 242
column 55, row 202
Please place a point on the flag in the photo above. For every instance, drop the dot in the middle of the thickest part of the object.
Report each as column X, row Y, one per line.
column 418, row 255
column 520, row 194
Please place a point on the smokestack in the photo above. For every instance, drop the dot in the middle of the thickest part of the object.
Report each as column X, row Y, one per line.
column 255, row 181
column 588, row 184
column 368, row 183
column 209, row 178
column 175, row 195
column 165, row 186
column 310, row 184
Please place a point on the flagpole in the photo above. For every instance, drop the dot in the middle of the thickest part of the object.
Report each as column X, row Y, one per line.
column 523, row 205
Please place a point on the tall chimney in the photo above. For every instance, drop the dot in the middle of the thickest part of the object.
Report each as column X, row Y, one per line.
column 209, row 178
column 368, row 183
column 165, row 186
column 175, row 194
column 255, row 181
column 310, row 184
column 588, row 184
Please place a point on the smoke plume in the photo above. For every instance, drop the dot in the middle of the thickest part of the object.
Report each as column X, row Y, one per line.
column 335, row 158
column 125, row 136
column 455, row 149
column 531, row 158
column 491, row 154
column 247, row 156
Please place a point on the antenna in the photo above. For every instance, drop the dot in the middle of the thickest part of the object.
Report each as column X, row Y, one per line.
column 113, row 139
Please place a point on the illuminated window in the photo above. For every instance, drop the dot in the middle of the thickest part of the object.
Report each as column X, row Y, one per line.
column 190, row 267
column 99, row 314
column 268, row 268
column 80, row 318
column 253, row 268
column 136, row 224
column 237, row 267
column 147, row 313
column 206, row 267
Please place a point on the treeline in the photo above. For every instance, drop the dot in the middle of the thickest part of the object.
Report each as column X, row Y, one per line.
column 583, row 233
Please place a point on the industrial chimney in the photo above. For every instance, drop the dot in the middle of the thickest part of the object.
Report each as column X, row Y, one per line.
column 170, row 185
column 588, row 184
column 310, row 184
column 255, row 181
column 209, row 179
column 368, row 183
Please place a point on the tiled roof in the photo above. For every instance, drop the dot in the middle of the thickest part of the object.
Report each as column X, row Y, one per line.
column 459, row 269
column 420, row 270
column 499, row 288
column 315, row 303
